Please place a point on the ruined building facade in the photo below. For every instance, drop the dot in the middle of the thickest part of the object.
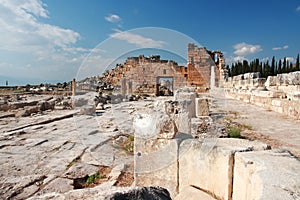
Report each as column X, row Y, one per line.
column 201, row 62
column 150, row 74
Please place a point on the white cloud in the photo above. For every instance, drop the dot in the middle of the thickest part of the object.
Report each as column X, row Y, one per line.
column 137, row 40
column 280, row 48
column 298, row 8
column 113, row 18
column 290, row 59
column 235, row 59
column 265, row 59
column 21, row 30
column 46, row 48
column 75, row 50
column 243, row 48
column 276, row 48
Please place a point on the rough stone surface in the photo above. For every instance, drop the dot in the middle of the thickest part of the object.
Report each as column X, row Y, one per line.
column 266, row 175
column 202, row 107
column 192, row 193
column 41, row 155
column 208, row 164
column 80, row 170
column 270, row 124
column 107, row 191
column 186, row 99
column 201, row 127
column 156, row 163
column 59, row 185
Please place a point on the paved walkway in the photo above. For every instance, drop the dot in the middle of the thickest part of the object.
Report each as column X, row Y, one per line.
column 279, row 129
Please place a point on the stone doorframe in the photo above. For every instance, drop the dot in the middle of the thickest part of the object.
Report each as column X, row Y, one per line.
column 158, row 78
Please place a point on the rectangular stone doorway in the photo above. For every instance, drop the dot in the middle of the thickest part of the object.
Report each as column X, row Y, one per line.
column 164, row 86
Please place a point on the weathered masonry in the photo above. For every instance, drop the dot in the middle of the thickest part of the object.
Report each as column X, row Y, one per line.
column 152, row 75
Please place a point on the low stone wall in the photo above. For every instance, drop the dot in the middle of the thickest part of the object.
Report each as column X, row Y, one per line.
column 279, row 93
column 269, row 100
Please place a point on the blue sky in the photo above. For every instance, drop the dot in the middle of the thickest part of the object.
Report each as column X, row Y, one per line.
column 54, row 40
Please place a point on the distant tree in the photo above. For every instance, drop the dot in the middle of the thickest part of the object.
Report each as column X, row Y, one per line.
column 291, row 68
column 273, row 66
column 297, row 68
column 27, row 87
column 228, row 70
column 64, row 84
column 279, row 69
column 287, row 66
column 257, row 65
column 284, row 66
column 246, row 67
column 267, row 69
column 260, row 68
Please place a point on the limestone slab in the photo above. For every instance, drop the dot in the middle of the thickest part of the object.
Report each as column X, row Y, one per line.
column 266, row 175
column 191, row 193
column 156, row 163
column 208, row 164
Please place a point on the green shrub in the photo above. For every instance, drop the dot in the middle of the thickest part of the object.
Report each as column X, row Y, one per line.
column 234, row 132
column 90, row 179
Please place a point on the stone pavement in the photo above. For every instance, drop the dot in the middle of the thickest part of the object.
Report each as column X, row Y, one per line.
column 277, row 130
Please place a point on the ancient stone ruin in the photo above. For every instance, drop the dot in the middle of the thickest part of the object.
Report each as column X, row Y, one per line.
column 279, row 93
column 151, row 75
column 151, row 129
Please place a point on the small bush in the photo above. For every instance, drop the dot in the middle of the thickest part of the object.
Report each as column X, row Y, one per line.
column 234, row 132
column 92, row 178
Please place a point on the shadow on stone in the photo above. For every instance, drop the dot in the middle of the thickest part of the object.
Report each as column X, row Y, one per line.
column 143, row 193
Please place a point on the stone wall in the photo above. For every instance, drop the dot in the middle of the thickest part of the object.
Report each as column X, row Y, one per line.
column 269, row 100
column 144, row 72
column 279, row 93
column 200, row 62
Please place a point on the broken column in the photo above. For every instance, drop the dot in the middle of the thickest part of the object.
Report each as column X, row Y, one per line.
column 130, row 87
column 123, row 87
column 73, row 87
column 202, row 107
column 156, row 149
column 186, row 109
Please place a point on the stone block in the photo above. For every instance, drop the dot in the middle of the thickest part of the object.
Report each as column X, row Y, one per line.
column 276, row 102
column 201, row 127
column 156, row 163
column 271, row 81
column 208, row 164
column 202, row 107
column 192, row 193
column 186, row 99
column 266, row 175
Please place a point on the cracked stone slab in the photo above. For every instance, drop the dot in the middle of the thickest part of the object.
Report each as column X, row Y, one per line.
column 58, row 185
column 80, row 170
column 208, row 163
column 266, row 175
